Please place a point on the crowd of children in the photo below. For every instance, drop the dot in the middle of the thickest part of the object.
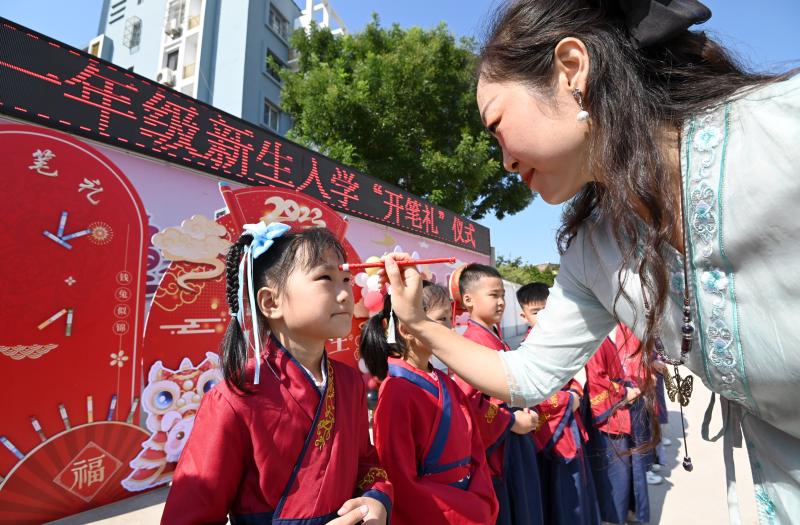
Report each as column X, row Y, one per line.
column 285, row 438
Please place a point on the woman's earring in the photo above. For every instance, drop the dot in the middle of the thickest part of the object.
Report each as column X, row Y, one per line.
column 583, row 115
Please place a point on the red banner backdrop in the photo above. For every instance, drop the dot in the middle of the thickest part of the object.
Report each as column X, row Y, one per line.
column 73, row 258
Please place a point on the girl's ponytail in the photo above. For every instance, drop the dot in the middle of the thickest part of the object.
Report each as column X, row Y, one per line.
column 374, row 347
column 234, row 346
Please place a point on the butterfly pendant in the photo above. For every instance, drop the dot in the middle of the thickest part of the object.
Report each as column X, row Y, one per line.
column 680, row 388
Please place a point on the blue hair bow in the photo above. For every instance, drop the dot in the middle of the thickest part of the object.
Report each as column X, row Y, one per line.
column 264, row 235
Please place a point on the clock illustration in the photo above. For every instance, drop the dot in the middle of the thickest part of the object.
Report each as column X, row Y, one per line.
column 73, row 257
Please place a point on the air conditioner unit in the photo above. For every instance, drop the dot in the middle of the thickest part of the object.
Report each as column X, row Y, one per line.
column 166, row 76
column 173, row 28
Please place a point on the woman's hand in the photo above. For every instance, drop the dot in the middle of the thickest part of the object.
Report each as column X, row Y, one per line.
column 366, row 509
column 406, row 285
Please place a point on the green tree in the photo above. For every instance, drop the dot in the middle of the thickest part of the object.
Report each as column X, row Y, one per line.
column 517, row 271
column 400, row 105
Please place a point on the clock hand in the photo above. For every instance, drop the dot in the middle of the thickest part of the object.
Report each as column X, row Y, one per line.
column 68, row 331
column 75, row 235
column 62, row 223
column 54, row 318
column 57, row 239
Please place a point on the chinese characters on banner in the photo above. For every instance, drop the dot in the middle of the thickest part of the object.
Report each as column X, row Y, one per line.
column 90, row 97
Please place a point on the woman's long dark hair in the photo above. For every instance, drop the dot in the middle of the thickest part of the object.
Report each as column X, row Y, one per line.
column 306, row 249
column 374, row 347
column 633, row 96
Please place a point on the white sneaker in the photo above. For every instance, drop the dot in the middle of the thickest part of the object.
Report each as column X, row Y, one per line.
column 653, row 478
column 655, row 467
column 666, row 441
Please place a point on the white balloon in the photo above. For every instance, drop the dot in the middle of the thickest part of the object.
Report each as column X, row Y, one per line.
column 374, row 283
column 361, row 279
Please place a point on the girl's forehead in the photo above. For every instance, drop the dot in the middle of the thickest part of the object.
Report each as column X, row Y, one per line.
column 310, row 258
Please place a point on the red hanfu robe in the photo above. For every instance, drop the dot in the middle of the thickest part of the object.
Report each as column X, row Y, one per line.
column 492, row 415
column 605, row 380
column 286, row 452
column 426, row 439
column 555, row 416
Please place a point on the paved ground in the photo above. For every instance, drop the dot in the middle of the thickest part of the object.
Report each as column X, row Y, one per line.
column 699, row 497
column 696, row 498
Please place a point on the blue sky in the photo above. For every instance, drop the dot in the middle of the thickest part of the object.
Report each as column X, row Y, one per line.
column 762, row 34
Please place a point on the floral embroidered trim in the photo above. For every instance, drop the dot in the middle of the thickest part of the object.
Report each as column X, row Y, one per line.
column 599, row 398
column 713, row 284
column 766, row 508
column 491, row 412
column 372, row 474
column 325, row 425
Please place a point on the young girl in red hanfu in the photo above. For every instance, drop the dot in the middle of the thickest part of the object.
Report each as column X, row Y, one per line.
column 424, row 427
column 285, row 439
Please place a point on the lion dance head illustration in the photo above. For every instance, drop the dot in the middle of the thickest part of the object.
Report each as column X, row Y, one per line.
column 170, row 399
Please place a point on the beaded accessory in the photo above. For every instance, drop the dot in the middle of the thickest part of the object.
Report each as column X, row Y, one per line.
column 681, row 388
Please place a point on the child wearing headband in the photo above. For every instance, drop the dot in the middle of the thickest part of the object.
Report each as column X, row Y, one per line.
column 285, row 438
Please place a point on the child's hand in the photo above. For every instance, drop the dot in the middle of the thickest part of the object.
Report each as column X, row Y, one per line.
column 525, row 421
column 633, row 393
column 369, row 510
column 576, row 401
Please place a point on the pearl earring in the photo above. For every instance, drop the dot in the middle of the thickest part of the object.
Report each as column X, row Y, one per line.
column 583, row 115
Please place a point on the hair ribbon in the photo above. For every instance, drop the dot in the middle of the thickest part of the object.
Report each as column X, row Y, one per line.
column 263, row 237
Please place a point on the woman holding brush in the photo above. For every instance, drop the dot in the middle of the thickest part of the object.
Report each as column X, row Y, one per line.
column 682, row 173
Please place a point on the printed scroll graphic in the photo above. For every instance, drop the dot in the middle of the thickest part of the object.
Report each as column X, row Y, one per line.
column 170, row 400
column 197, row 240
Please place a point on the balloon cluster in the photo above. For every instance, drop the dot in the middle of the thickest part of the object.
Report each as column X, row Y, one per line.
column 370, row 283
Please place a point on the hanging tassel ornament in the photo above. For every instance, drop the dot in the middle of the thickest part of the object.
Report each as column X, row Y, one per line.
column 680, row 390
column 391, row 335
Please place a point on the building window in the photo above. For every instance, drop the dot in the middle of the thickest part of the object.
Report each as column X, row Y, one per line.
column 273, row 65
column 272, row 116
column 172, row 60
column 175, row 10
column 132, row 36
column 278, row 23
